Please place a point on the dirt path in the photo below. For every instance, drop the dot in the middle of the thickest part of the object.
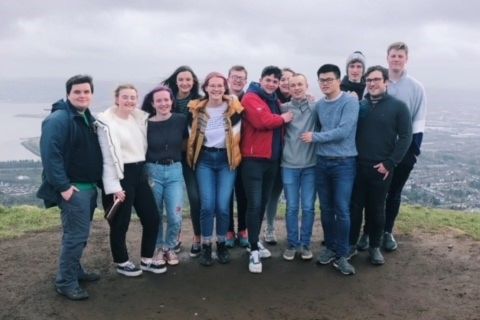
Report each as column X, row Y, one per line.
column 429, row 277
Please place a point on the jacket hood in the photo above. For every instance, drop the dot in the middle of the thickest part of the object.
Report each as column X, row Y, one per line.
column 60, row 105
column 254, row 87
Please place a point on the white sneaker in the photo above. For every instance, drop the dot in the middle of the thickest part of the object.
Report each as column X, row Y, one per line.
column 263, row 252
column 255, row 265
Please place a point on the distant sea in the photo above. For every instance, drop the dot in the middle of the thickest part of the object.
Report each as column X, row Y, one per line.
column 19, row 121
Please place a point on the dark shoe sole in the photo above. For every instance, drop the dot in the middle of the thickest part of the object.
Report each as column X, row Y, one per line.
column 71, row 297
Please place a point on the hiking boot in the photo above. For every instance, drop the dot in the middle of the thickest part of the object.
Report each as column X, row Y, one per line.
column 195, row 250
column 223, row 256
column 289, row 253
column 363, row 243
column 178, row 247
column 269, row 235
column 352, row 252
column 376, row 256
column 242, row 237
column 254, row 264
column 74, row 294
column 206, row 255
column 153, row 266
column 230, row 242
column 342, row 265
column 389, row 243
column 306, row 253
column 326, row 256
column 171, row 257
column 128, row 269
column 89, row 277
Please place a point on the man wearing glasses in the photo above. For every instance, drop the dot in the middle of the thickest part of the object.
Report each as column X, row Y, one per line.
column 336, row 165
column 384, row 133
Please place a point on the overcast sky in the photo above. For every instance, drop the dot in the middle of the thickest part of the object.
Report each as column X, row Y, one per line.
column 146, row 40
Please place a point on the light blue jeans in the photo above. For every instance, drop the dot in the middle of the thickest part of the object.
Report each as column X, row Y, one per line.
column 335, row 177
column 76, row 216
column 215, row 184
column 166, row 182
column 299, row 184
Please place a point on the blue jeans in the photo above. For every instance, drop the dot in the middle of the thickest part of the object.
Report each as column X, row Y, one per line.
column 215, row 183
column 167, row 186
column 335, row 177
column 299, row 183
column 76, row 217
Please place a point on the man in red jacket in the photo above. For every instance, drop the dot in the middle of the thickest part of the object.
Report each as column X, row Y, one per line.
column 261, row 152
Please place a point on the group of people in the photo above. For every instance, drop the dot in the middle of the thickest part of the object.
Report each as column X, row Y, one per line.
column 355, row 148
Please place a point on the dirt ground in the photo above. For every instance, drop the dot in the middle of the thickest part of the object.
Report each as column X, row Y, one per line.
column 429, row 277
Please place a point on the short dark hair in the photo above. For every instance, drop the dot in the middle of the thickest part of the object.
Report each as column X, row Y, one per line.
column 78, row 79
column 237, row 68
column 383, row 70
column 272, row 70
column 329, row 68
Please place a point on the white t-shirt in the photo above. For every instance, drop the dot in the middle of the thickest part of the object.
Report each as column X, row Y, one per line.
column 215, row 130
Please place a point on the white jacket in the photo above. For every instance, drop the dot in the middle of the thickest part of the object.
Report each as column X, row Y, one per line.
column 113, row 164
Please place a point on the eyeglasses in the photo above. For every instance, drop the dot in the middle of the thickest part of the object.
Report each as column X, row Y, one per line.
column 373, row 80
column 237, row 78
column 326, row 80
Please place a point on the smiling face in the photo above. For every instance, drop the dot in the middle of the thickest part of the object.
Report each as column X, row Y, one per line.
column 215, row 88
column 397, row 60
column 237, row 80
column 126, row 100
column 355, row 71
column 162, row 103
column 376, row 84
column 329, row 84
column 185, row 82
column 269, row 83
column 80, row 96
column 284, row 88
column 298, row 87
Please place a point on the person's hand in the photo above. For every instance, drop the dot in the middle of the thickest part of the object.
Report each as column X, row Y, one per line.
column 120, row 195
column 67, row 194
column 287, row 116
column 382, row 170
column 307, row 137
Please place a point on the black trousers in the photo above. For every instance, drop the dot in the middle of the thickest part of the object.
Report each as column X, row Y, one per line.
column 140, row 196
column 241, row 204
column 369, row 193
column 258, row 177
column 193, row 196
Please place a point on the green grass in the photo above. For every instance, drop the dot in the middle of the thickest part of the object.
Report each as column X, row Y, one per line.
column 413, row 218
column 16, row 221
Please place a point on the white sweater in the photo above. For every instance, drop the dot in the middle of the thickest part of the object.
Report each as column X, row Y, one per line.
column 119, row 148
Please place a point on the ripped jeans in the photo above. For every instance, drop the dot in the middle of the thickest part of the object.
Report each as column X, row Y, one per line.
column 166, row 182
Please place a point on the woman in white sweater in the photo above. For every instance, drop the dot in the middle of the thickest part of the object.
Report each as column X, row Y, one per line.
column 122, row 135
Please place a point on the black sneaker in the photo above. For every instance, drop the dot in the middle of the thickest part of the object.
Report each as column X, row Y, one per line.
column 195, row 250
column 178, row 247
column 206, row 255
column 128, row 269
column 153, row 267
column 223, row 256
column 73, row 294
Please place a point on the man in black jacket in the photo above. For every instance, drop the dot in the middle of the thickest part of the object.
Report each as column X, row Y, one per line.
column 72, row 166
column 384, row 133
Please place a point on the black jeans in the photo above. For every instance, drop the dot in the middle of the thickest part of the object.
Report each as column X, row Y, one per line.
column 258, row 177
column 241, row 204
column 140, row 196
column 369, row 193
column 394, row 195
column 193, row 196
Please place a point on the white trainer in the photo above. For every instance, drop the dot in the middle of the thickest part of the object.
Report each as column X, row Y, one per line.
column 255, row 265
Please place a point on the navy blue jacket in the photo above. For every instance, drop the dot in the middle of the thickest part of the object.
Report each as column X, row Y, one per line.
column 69, row 150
